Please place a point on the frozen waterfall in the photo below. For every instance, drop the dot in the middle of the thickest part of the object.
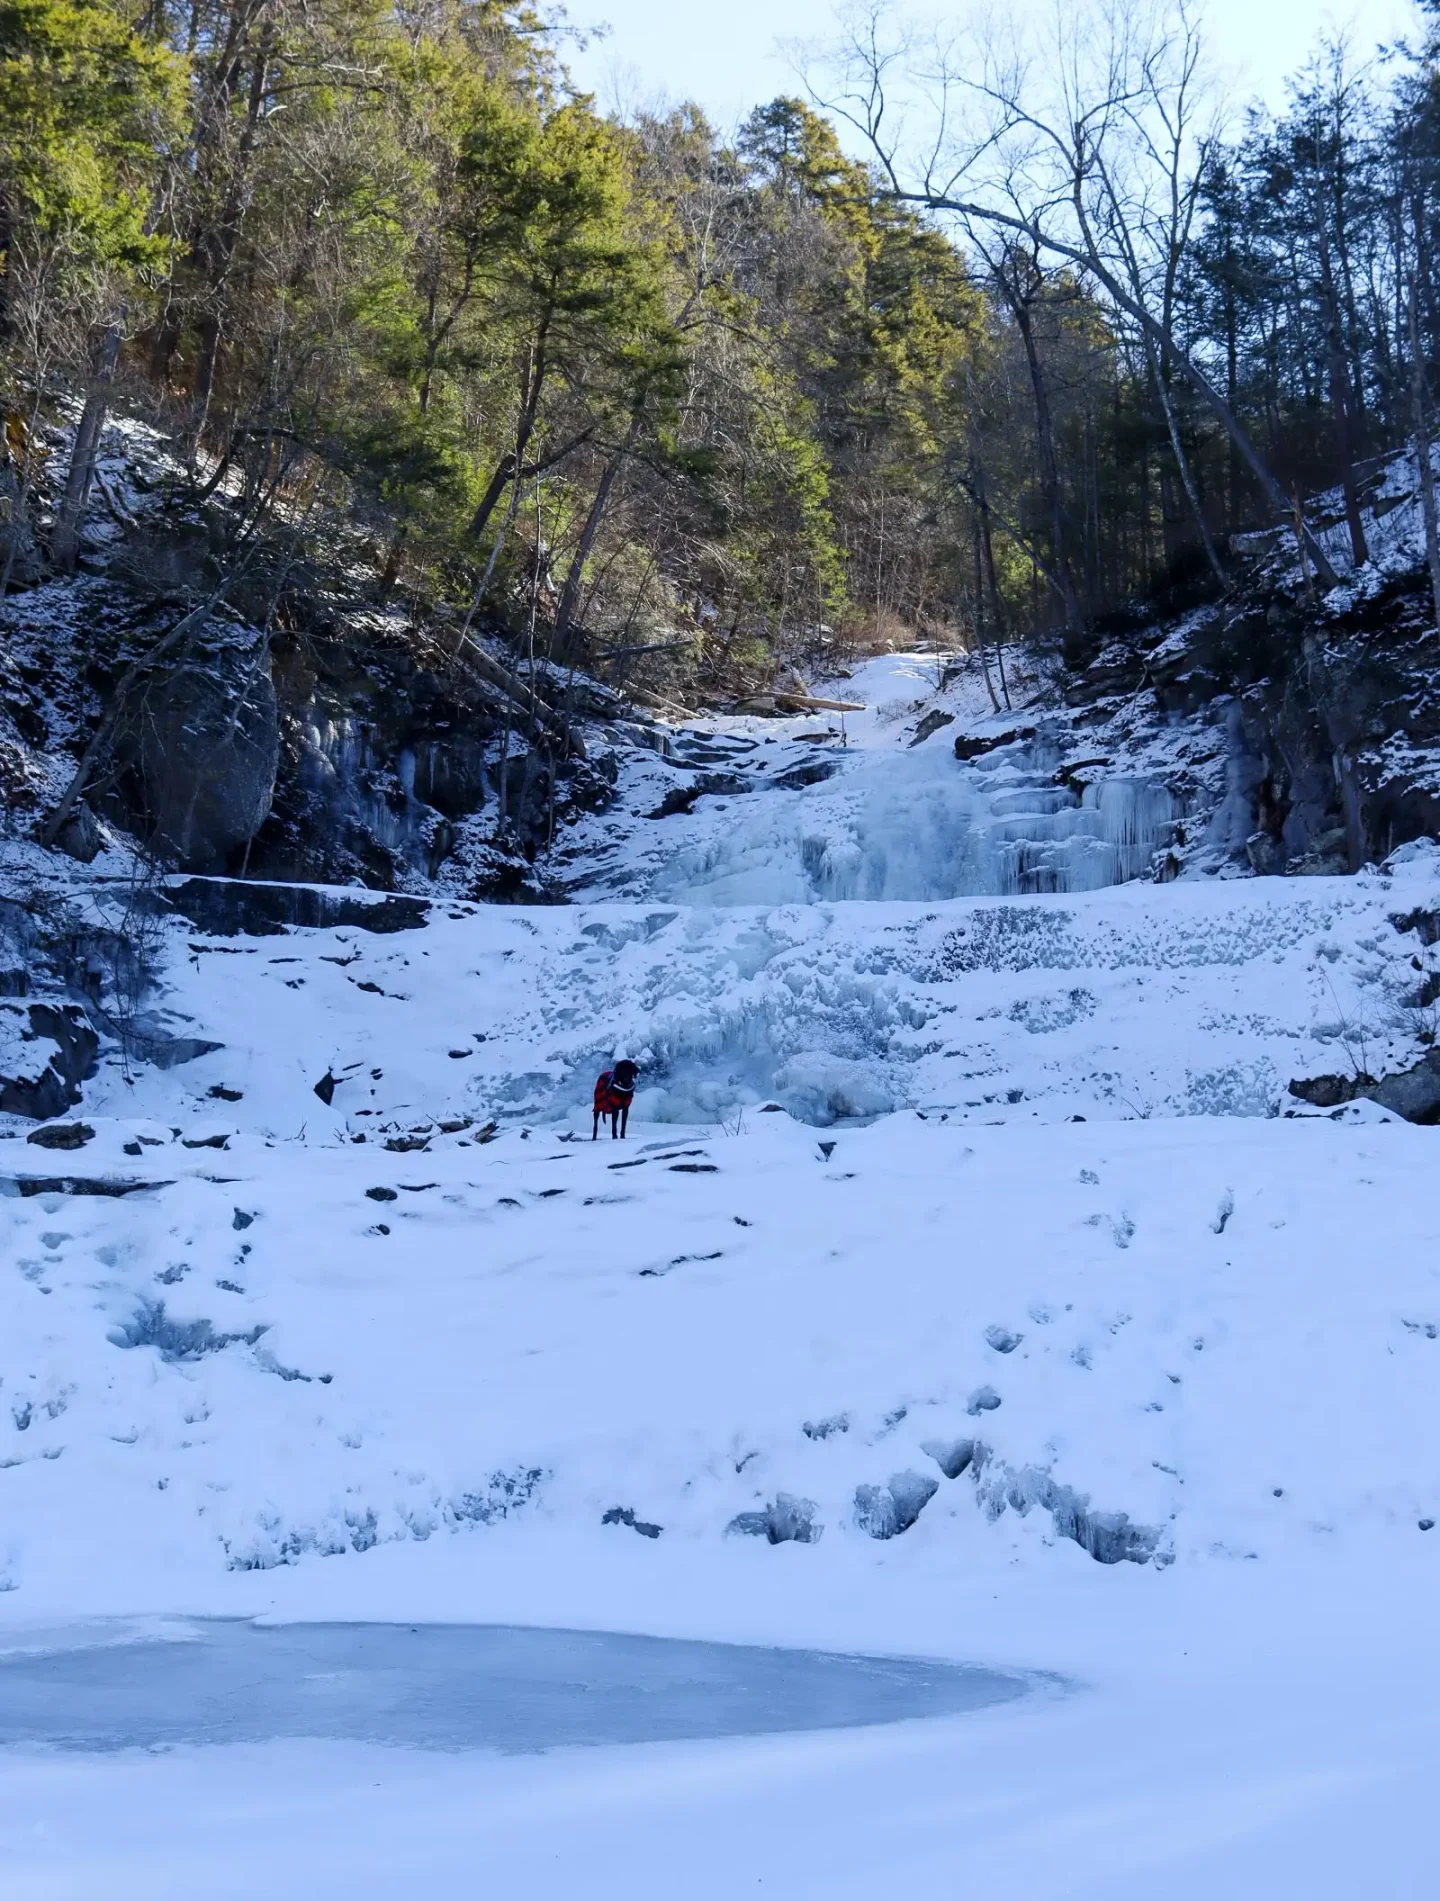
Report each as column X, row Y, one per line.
column 919, row 826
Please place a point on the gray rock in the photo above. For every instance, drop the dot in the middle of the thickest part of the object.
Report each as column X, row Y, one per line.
column 198, row 750
column 968, row 747
column 932, row 722
column 625, row 1515
column 252, row 907
column 953, row 1456
column 884, row 1511
column 62, row 1135
column 79, row 837
column 788, row 1521
column 1326, row 1092
column 41, row 1084
column 1412, row 1093
column 1266, row 854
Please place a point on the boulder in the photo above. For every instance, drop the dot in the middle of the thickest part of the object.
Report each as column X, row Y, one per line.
column 198, row 750
column 932, row 722
column 1412, row 1093
column 884, row 1511
column 62, row 1135
column 47, row 1050
column 230, row 907
column 788, row 1520
column 79, row 837
column 972, row 746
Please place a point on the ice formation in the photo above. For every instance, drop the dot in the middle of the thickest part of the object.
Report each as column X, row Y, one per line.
column 856, row 812
column 893, row 827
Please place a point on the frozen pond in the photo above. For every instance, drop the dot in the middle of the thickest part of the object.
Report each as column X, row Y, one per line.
column 456, row 1686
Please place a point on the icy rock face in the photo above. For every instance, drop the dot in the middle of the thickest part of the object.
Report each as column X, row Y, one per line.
column 275, row 1540
column 1109, row 1537
column 199, row 755
column 151, row 1326
column 953, row 1456
column 787, row 1521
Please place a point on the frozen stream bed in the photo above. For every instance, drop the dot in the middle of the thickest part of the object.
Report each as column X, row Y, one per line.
column 973, row 1285
column 456, row 1686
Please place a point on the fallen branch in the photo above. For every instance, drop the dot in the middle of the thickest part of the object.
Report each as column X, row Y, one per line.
column 807, row 703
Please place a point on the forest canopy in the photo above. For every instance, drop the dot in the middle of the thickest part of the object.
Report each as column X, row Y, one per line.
column 727, row 397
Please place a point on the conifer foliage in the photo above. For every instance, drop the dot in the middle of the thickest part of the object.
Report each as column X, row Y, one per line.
column 644, row 388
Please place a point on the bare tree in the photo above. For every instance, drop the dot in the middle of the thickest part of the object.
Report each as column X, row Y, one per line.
column 1090, row 155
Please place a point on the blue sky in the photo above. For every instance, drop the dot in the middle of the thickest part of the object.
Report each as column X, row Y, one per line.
column 724, row 53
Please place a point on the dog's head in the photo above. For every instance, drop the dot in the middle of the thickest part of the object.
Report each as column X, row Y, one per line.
column 625, row 1074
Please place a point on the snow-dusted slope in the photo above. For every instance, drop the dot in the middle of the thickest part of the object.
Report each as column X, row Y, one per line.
column 1134, row 1338
column 1204, row 998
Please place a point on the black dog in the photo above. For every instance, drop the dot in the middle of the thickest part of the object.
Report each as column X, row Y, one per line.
column 614, row 1090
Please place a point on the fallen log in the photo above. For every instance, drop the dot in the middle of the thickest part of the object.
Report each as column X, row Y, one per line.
column 807, row 703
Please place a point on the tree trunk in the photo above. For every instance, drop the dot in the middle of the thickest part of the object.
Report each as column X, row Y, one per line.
column 996, row 611
column 980, row 616
column 570, row 593
column 222, row 241
column 1232, row 395
column 1342, row 400
column 7, row 239
column 65, row 538
column 1423, row 452
column 1182, row 461
column 511, row 462
column 1049, row 471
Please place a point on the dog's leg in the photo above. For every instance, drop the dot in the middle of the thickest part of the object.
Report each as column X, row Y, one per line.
column 624, row 1121
column 595, row 1132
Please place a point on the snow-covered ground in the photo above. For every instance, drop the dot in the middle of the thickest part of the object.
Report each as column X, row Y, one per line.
column 1034, row 1328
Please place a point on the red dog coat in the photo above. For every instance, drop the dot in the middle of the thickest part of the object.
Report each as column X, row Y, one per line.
column 610, row 1099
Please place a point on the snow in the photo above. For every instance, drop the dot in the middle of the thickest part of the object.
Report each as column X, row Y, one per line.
column 918, row 1362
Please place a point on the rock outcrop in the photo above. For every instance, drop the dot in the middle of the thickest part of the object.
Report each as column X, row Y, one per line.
column 47, row 1051
column 197, row 749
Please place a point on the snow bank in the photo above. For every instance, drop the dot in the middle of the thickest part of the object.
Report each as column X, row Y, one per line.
column 1158, row 1341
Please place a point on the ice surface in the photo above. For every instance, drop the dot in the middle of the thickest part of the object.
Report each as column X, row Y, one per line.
column 448, row 1686
column 1187, row 999
column 895, row 828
